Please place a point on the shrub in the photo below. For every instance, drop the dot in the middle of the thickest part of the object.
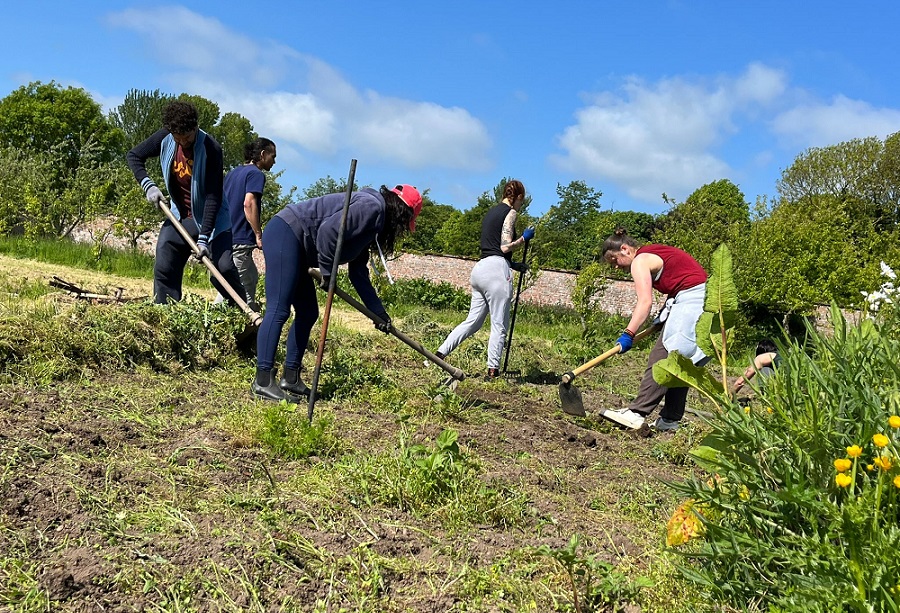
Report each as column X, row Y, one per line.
column 803, row 509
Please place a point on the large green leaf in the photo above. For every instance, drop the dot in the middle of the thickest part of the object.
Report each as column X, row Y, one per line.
column 721, row 293
column 709, row 332
column 678, row 371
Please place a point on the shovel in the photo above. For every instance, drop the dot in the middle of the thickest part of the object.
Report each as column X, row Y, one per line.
column 255, row 318
column 456, row 375
column 570, row 396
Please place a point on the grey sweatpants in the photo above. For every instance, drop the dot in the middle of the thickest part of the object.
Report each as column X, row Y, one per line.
column 247, row 271
column 491, row 281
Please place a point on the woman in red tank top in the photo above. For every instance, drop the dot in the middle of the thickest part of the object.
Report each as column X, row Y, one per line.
column 675, row 273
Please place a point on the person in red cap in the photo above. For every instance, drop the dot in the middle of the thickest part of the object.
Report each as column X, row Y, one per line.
column 304, row 235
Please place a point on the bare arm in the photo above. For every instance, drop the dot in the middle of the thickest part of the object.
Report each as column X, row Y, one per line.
column 760, row 362
column 507, row 244
column 643, row 285
column 251, row 212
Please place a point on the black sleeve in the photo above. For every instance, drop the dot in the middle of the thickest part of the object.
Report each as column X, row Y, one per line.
column 137, row 157
column 213, row 183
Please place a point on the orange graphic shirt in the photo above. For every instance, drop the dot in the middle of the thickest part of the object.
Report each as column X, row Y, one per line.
column 182, row 172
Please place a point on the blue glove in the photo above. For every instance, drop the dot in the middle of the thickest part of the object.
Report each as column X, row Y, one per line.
column 626, row 341
column 528, row 234
column 203, row 248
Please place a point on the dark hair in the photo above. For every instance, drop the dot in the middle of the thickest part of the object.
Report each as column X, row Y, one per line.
column 616, row 240
column 180, row 117
column 766, row 345
column 514, row 188
column 253, row 150
column 397, row 215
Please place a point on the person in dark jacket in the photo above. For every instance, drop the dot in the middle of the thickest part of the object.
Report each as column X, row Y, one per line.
column 303, row 236
column 491, row 278
column 191, row 164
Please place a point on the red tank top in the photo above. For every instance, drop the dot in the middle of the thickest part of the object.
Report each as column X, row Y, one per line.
column 680, row 270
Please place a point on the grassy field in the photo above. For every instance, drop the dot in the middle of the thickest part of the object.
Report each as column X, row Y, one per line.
column 138, row 474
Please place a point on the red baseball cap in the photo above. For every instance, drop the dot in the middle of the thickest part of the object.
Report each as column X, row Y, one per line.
column 413, row 199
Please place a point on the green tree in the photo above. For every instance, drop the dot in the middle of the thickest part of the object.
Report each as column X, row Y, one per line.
column 45, row 117
column 461, row 234
column 565, row 234
column 207, row 111
column 139, row 115
column 233, row 132
column 713, row 214
column 428, row 224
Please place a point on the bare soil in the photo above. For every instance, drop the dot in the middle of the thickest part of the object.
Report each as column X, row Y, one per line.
column 128, row 491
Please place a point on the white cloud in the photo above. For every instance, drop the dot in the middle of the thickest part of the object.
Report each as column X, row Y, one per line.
column 651, row 138
column 843, row 119
column 300, row 100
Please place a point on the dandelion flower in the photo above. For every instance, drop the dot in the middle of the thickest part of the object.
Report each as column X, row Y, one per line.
column 842, row 480
column 842, row 465
column 897, row 481
column 883, row 462
column 880, row 440
column 747, row 410
column 870, row 467
column 894, row 421
column 854, row 451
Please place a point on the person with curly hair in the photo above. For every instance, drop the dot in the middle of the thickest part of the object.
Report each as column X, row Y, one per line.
column 304, row 235
column 191, row 165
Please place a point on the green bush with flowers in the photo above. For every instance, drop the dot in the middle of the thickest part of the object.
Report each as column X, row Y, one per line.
column 798, row 506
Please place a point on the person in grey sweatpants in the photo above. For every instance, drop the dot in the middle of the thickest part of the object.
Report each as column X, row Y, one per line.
column 491, row 278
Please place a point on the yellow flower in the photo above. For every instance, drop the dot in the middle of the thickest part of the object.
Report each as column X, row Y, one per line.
column 897, row 481
column 770, row 410
column 880, row 440
column 842, row 465
column 747, row 410
column 894, row 421
column 883, row 462
column 870, row 467
column 842, row 480
column 854, row 451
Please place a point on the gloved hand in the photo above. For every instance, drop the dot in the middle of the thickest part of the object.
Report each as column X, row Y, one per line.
column 528, row 234
column 519, row 266
column 203, row 246
column 154, row 195
column 385, row 326
column 326, row 282
column 626, row 341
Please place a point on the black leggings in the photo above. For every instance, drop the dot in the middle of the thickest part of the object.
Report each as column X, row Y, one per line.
column 288, row 284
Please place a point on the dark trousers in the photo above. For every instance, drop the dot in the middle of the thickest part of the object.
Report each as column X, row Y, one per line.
column 651, row 393
column 288, row 284
column 172, row 253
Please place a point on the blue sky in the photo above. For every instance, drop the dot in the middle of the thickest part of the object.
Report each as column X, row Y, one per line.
column 634, row 98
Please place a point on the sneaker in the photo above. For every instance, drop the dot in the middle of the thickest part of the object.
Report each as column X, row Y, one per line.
column 624, row 417
column 492, row 373
column 664, row 425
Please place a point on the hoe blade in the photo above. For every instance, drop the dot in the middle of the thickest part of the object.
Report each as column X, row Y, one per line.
column 570, row 397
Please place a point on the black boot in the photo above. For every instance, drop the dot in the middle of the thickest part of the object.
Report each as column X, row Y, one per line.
column 291, row 383
column 493, row 373
column 264, row 386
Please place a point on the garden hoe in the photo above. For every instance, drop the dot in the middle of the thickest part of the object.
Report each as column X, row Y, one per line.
column 456, row 375
column 332, row 288
column 569, row 395
column 248, row 335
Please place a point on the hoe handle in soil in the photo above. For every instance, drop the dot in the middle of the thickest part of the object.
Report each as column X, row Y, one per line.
column 512, row 325
column 454, row 372
column 567, row 378
column 255, row 318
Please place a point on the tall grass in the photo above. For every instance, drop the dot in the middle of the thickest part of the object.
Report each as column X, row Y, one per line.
column 124, row 263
